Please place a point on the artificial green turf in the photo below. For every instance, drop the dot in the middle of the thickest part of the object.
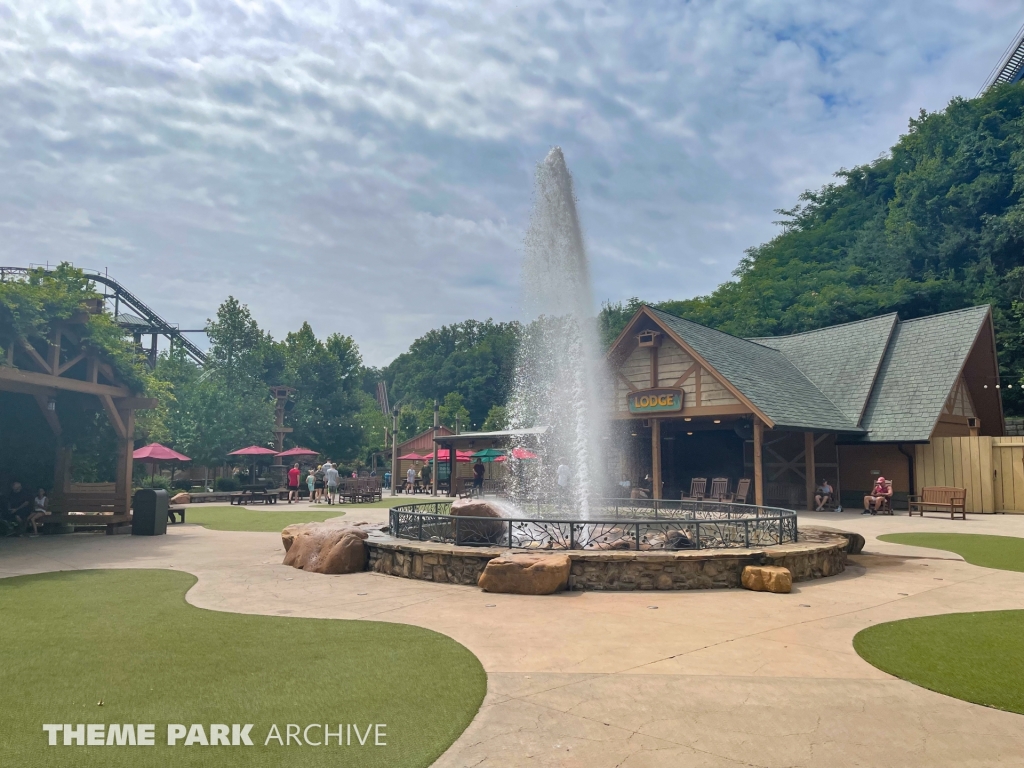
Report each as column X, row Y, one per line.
column 977, row 657
column 127, row 638
column 276, row 517
column 235, row 518
column 1003, row 552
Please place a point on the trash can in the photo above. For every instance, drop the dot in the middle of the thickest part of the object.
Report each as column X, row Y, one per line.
column 149, row 512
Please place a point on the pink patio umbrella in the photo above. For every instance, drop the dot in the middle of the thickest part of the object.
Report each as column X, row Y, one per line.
column 296, row 453
column 254, row 451
column 518, row 453
column 153, row 454
column 442, row 455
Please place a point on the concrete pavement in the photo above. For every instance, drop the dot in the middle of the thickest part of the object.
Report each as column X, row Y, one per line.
column 716, row 678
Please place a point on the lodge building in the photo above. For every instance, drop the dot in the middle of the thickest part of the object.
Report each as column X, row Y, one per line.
column 846, row 403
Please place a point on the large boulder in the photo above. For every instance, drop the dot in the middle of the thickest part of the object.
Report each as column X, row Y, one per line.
column 325, row 548
column 478, row 531
column 767, row 578
column 526, row 574
column 181, row 498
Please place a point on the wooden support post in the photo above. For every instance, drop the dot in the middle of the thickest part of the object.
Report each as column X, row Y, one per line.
column 654, row 368
column 55, row 353
column 656, row 458
column 61, row 471
column 123, row 477
column 758, row 470
column 810, row 468
column 433, row 467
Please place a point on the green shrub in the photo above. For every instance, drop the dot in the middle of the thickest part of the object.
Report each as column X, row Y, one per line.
column 225, row 484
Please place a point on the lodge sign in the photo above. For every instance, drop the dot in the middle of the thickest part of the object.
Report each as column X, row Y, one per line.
column 656, row 401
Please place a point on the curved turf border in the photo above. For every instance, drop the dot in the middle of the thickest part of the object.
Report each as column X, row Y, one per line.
column 977, row 657
column 128, row 639
column 238, row 518
column 1003, row 552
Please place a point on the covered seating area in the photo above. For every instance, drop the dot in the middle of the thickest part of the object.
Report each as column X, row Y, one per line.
column 62, row 380
column 702, row 414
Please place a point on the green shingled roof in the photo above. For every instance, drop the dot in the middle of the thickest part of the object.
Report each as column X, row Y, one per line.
column 765, row 376
column 842, row 360
column 924, row 359
column 883, row 379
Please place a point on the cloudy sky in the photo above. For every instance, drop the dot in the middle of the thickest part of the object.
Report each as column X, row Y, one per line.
column 368, row 165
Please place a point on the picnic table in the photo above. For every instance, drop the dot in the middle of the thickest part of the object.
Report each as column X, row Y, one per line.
column 252, row 494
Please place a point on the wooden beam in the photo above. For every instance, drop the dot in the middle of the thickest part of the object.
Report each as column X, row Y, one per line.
column 656, row 458
column 143, row 404
column 55, row 352
column 59, row 382
column 811, row 470
column 695, row 368
column 630, row 384
column 758, row 470
column 728, row 409
column 70, row 363
column 92, row 370
column 26, row 389
column 654, row 369
column 50, row 416
column 36, row 357
column 115, row 418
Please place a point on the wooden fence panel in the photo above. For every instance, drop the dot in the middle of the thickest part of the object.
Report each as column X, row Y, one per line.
column 964, row 462
column 1008, row 473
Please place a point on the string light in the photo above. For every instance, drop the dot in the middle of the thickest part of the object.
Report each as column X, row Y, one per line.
column 718, row 421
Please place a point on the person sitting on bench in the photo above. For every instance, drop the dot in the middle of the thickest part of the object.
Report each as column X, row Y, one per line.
column 823, row 495
column 881, row 493
column 39, row 511
column 16, row 509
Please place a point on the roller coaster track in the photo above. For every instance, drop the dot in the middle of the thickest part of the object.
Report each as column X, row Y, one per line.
column 151, row 322
column 1010, row 68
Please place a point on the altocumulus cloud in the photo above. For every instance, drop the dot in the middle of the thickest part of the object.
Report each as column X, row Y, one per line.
column 367, row 165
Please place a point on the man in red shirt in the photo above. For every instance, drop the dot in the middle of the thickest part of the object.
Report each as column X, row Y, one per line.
column 293, row 484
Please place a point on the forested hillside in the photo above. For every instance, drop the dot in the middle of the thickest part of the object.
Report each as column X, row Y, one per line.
column 935, row 224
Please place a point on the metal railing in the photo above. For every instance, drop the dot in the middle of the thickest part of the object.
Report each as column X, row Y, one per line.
column 614, row 525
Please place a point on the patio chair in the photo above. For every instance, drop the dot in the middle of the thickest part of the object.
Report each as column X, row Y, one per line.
column 742, row 491
column 698, row 488
column 719, row 488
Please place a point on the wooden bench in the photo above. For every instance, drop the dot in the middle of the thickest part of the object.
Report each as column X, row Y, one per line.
column 253, row 497
column 939, row 498
column 175, row 509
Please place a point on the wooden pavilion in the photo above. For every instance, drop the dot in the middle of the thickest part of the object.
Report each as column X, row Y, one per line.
column 847, row 403
column 39, row 370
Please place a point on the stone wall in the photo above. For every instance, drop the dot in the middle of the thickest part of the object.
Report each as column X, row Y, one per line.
column 703, row 569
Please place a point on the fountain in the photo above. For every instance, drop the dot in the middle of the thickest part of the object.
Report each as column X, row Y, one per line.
column 562, row 386
column 561, row 379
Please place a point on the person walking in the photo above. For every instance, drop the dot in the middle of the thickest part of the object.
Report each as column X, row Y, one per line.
column 331, row 478
column 410, row 480
column 319, row 484
column 478, row 477
column 293, row 484
column 311, row 484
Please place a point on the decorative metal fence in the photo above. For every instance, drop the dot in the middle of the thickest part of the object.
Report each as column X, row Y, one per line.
column 615, row 524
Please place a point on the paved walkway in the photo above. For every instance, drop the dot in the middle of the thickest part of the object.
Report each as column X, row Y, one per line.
column 631, row 680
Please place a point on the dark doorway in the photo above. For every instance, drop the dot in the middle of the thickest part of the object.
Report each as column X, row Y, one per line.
column 705, row 453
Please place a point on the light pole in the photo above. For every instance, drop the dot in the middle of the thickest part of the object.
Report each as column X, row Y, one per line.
column 394, row 450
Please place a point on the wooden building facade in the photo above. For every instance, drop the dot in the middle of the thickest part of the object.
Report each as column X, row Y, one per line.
column 845, row 403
